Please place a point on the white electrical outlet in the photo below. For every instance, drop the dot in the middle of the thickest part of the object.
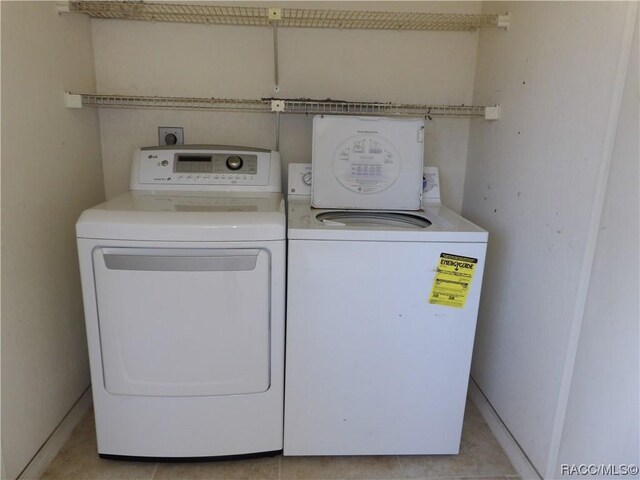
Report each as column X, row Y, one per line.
column 170, row 136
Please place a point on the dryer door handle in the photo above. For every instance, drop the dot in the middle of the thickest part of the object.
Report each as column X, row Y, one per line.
column 180, row 260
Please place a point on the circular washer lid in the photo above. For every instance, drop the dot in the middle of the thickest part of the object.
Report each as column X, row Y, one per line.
column 352, row 218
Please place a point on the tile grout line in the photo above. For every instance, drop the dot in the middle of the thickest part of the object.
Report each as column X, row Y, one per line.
column 402, row 471
column 280, row 467
column 155, row 470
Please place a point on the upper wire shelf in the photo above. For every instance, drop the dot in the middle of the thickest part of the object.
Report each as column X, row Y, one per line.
column 285, row 17
column 282, row 105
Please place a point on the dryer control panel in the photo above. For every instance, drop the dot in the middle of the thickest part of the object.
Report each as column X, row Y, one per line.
column 206, row 168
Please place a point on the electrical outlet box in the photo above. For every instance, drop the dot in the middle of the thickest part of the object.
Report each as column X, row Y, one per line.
column 170, row 136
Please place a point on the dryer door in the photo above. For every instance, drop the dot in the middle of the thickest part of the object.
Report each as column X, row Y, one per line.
column 183, row 322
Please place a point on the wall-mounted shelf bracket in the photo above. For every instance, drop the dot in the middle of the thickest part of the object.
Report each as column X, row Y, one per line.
column 277, row 105
column 72, row 100
column 504, row 21
column 275, row 14
column 63, row 7
column 492, row 113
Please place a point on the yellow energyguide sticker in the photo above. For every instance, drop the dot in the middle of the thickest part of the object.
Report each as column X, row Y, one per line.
column 452, row 282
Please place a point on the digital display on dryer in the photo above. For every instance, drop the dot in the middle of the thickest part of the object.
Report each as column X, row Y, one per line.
column 193, row 164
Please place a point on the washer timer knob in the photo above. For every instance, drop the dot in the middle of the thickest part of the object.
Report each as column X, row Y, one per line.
column 306, row 178
column 234, row 162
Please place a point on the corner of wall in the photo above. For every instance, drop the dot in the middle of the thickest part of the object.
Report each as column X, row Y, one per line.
column 51, row 171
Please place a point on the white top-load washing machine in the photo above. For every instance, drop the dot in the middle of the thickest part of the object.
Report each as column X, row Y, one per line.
column 381, row 317
column 184, row 285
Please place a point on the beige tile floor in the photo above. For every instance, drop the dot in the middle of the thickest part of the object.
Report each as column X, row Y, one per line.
column 480, row 458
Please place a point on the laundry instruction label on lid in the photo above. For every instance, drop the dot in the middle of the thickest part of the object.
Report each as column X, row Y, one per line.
column 366, row 163
column 452, row 282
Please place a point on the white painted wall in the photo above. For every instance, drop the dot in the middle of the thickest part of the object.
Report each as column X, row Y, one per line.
column 233, row 62
column 531, row 181
column 51, row 171
column 602, row 425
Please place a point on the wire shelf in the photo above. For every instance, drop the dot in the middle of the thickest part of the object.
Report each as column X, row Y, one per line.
column 175, row 103
column 286, row 17
column 280, row 105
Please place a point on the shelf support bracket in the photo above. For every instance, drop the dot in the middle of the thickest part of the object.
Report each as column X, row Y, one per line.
column 277, row 106
column 63, row 7
column 275, row 14
column 504, row 21
column 492, row 113
column 72, row 100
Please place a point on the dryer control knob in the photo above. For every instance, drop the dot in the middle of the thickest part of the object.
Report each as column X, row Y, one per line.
column 234, row 162
column 306, row 178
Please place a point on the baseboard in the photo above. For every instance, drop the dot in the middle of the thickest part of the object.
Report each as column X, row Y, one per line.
column 39, row 463
column 515, row 454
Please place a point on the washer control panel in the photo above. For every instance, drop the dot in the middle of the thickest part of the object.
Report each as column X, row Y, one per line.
column 299, row 179
column 300, row 182
column 202, row 166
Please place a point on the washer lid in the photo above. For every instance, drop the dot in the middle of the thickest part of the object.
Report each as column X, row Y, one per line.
column 367, row 162
column 364, row 218
column 186, row 216
column 432, row 224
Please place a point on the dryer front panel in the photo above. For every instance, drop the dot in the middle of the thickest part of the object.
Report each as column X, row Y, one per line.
column 183, row 322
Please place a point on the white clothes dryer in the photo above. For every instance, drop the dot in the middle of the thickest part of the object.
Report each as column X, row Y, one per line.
column 184, row 285
column 381, row 317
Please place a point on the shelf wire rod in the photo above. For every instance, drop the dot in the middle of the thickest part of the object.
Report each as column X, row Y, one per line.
column 277, row 131
column 274, row 26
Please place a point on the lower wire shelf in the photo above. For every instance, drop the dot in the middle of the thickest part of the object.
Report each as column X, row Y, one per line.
column 306, row 106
